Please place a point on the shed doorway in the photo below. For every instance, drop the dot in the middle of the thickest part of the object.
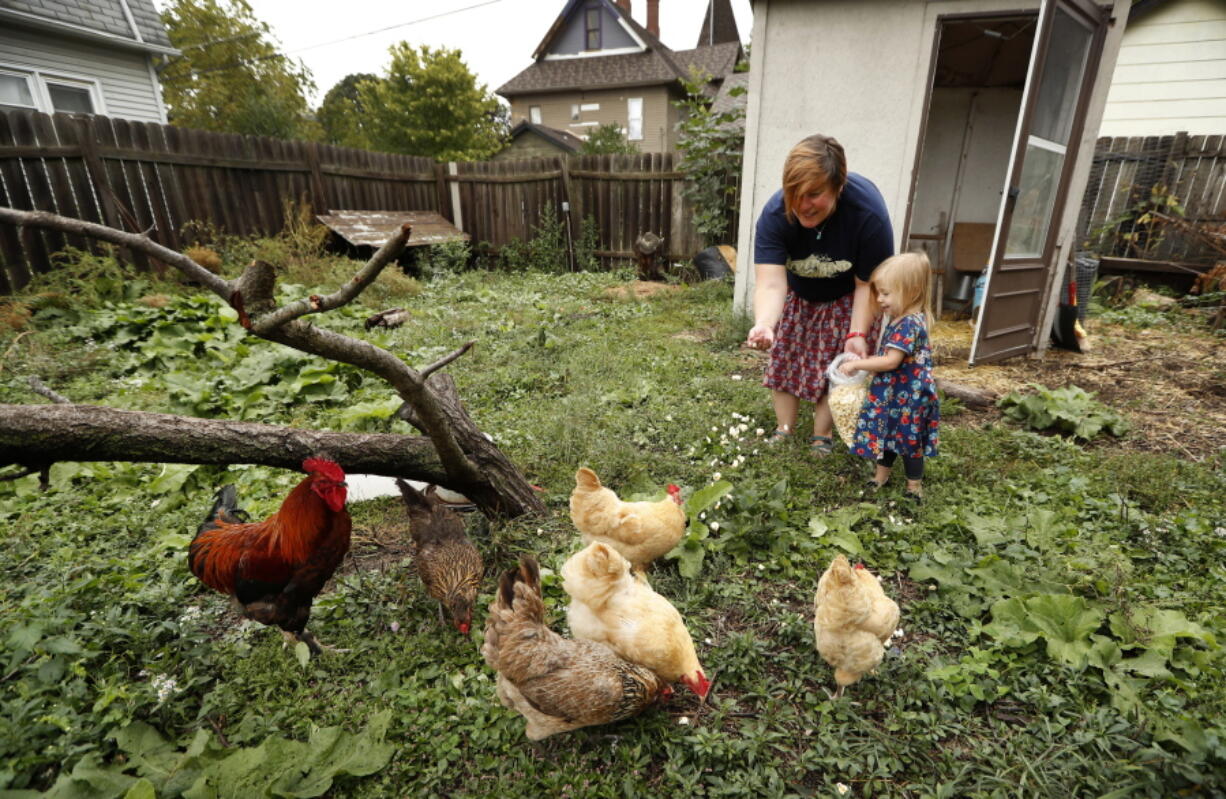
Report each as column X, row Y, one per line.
column 1005, row 104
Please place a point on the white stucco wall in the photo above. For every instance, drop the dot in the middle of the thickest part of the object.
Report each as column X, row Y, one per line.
column 1171, row 74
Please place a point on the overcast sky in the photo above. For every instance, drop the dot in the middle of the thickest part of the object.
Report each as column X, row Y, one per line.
column 496, row 37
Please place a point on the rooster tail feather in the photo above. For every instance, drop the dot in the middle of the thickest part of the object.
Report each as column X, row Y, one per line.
column 586, row 479
column 225, row 505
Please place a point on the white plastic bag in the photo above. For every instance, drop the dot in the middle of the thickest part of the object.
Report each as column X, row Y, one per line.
column 847, row 395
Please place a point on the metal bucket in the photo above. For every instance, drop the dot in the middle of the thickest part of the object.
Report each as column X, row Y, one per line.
column 964, row 287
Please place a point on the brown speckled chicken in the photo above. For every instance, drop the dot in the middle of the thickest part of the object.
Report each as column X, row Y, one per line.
column 852, row 620
column 447, row 561
column 640, row 531
column 557, row 684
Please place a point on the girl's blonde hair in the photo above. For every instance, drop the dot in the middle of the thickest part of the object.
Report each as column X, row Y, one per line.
column 909, row 275
column 815, row 161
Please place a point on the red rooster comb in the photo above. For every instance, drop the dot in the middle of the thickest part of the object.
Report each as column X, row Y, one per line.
column 324, row 468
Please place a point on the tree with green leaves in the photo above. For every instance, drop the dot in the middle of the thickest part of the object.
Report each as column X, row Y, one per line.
column 607, row 139
column 342, row 114
column 430, row 104
column 711, row 144
column 232, row 76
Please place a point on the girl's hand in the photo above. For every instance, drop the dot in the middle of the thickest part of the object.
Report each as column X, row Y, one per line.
column 761, row 337
column 858, row 346
column 848, row 367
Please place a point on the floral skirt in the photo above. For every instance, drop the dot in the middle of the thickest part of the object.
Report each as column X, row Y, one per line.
column 807, row 338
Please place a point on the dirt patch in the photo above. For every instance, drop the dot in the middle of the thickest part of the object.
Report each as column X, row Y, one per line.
column 1171, row 385
column 641, row 289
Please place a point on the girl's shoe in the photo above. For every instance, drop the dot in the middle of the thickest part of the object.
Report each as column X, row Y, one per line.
column 821, row 445
column 913, row 496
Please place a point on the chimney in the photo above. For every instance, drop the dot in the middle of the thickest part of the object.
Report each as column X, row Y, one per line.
column 653, row 18
column 624, row 5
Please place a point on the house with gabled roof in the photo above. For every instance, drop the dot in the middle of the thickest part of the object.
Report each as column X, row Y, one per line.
column 83, row 56
column 597, row 65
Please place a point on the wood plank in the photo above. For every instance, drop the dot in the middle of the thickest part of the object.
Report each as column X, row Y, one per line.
column 63, row 201
column 15, row 271
column 39, row 185
column 168, row 186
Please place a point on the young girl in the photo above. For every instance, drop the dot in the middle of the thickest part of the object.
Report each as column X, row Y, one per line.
column 901, row 413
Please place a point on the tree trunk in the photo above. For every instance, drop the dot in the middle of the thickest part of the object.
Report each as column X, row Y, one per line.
column 36, row 435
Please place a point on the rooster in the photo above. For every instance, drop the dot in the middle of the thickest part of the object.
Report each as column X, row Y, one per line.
column 555, row 683
column 852, row 621
column 447, row 561
column 274, row 569
column 640, row 531
column 611, row 606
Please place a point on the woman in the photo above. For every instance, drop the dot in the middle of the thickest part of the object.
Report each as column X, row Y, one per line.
column 818, row 240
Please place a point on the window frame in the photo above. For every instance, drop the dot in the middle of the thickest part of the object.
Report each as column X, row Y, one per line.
column 592, row 12
column 534, row 114
column 630, row 119
column 39, row 81
column 31, row 86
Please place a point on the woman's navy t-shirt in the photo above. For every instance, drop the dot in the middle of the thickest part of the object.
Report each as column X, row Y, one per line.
column 853, row 241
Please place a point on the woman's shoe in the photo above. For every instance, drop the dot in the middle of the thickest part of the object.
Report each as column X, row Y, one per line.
column 821, row 445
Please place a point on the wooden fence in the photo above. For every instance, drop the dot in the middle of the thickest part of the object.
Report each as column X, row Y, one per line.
column 1131, row 176
column 142, row 176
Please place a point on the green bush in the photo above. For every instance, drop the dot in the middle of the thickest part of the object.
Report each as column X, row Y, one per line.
column 1069, row 409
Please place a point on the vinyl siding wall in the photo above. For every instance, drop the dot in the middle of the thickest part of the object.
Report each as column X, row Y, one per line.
column 1171, row 74
column 660, row 117
column 123, row 78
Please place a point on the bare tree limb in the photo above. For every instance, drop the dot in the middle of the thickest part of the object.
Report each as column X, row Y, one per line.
column 446, row 359
column 35, row 436
column 136, row 241
column 17, row 475
column 39, row 387
column 355, row 286
column 472, row 464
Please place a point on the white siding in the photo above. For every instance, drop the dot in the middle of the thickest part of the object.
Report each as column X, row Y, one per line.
column 124, row 78
column 1171, row 74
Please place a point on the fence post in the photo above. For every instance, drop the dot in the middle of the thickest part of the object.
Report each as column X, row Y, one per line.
column 440, row 192
column 318, row 199
column 456, row 213
column 568, row 205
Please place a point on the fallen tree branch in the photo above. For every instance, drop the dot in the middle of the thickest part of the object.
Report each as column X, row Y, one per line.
column 35, row 436
column 977, row 397
column 446, row 359
column 39, row 387
column 472, row 464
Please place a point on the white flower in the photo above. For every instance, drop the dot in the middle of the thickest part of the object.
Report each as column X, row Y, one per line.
column 841, row 788
column 164, row 685
column 898, row 633
column 668, row 418
column 759, row 432
column 714, row 527
column 394, row 626
column 736, row 377
column 761, row 567
column 683, row 720
column 703, row 516
column 707, row 641
column 716, row 476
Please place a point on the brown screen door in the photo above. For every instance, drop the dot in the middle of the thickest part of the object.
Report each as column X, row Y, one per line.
column 1063, row 64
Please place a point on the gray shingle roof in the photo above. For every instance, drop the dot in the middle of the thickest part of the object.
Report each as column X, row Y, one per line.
column 566, row 141
column 105, row 16
column 725, row 101
column 658, row 64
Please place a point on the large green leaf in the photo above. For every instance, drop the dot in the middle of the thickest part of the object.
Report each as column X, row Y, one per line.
column 1063, row 621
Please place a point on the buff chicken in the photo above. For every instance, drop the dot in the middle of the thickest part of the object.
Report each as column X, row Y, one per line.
column 610, row 606
column 640, row 531
column 852, row 621
column 555, row 683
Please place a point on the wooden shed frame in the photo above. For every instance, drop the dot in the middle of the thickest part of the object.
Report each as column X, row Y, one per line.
column 873, row 67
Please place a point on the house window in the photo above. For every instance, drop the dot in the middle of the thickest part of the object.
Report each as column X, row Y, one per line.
column 574, row 112
column 70, row 98
column 48, row 93
column 15, row 91
column 634, row 116
column 592, row 24
column 534, row 114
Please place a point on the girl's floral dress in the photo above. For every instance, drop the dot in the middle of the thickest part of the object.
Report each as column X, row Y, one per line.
column 902, row 412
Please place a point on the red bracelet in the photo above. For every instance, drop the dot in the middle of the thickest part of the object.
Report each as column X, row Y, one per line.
column 855, row 334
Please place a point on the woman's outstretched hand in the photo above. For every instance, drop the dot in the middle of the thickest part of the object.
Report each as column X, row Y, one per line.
column 761, row 337
column 857, row 345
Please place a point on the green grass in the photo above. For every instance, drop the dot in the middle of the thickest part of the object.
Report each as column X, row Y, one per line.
column 1061, row 608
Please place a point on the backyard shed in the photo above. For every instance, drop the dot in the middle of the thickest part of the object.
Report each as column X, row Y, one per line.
column 977, row 120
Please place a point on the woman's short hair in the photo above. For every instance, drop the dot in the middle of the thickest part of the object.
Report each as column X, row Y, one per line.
column 815, row 161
